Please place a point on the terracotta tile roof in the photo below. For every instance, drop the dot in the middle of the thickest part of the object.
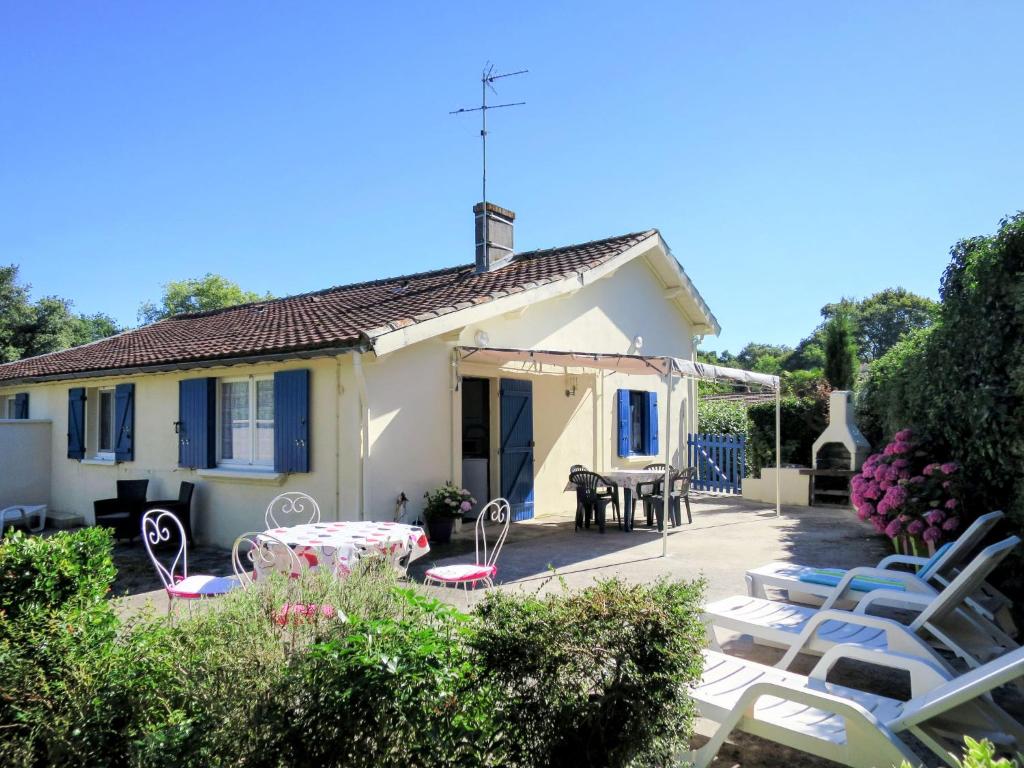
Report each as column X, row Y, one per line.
column 335, row 317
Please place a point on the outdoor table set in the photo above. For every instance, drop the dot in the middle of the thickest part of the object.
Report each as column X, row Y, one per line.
column 631, row 482
column 295, row 540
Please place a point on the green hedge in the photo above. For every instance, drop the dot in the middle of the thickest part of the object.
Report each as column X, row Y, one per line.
column 393, row 678
column 960, row 383
column 803, row 420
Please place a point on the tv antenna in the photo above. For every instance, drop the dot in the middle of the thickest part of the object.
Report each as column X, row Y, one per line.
column 487, row 81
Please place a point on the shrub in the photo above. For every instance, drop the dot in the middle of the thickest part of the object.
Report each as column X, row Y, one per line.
column 41, row 574
column 979, row 754
column 388, row 677
column 907, row 496
column 595, row 678
column 722, row 417
column 803, row 420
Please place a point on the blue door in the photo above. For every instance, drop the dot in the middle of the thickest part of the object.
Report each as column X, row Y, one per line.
column 517, row 446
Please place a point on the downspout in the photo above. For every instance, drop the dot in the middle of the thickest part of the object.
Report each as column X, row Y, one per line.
column 666, row 492
column 453, row 389
column 364, row 436
column 337, row 438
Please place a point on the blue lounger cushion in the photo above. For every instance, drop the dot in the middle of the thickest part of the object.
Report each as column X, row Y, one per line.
column 830, row 577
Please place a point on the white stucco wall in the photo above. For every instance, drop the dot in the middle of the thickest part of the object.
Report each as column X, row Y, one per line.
column 24, row 461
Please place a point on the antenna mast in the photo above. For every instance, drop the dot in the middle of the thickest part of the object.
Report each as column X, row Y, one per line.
column 486, row 81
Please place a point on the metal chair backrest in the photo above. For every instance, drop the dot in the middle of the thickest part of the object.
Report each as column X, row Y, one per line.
column 292, row 508
column 657, row 466
column 500, row 512
column 264, row 553
column 158, row 527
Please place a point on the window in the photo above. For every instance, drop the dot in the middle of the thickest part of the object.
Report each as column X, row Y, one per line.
column 106, row 421
column 10, row 409
column 246, row 421
column 638, row 423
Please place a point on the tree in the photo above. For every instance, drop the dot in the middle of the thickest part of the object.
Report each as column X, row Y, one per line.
column 767, row 358
column 884, row 318
column 48, row 325
column 197, row 295
column 840, row 351
column 15, row 312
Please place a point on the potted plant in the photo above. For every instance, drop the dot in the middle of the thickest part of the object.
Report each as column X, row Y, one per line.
column 444, row 506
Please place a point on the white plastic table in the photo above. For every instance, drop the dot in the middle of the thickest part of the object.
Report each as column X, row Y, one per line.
column 23, row 512
column 340, row 545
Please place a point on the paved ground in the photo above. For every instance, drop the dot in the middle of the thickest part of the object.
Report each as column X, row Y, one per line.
column 727, row 536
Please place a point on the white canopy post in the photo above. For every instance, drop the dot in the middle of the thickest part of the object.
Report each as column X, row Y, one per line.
column 778, row 451
column 666, row 491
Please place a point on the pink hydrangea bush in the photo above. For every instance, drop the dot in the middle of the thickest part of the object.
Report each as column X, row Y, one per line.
column 905, row 498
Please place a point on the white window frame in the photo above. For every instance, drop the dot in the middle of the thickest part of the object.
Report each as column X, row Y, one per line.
column 104, row 454
column 250, row 463
column 10, row 406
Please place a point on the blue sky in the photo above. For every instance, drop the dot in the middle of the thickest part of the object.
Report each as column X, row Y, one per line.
column 790, row 152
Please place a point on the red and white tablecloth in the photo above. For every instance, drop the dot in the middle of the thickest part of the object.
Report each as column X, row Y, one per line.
column 340, row 545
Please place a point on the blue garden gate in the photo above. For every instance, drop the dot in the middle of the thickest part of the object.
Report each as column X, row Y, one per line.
column 720, row 460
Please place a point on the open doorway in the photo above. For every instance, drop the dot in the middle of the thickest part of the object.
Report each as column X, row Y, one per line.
column 476, row 440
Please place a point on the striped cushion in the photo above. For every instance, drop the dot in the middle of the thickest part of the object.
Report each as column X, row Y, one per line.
column 462, row 572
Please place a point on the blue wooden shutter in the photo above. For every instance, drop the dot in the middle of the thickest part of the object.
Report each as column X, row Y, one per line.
column 624, row 422
column 21, row 405
column 651, row 433
column 197, row 423
column 124, row 422
column 76, row 423
column 291, row 421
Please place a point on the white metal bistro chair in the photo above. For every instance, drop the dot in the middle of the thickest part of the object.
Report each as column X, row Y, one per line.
column 292, row 508
column 256, row 554
column 484, row 568
column 854, row 727
column 159, row 526
column 942, row 618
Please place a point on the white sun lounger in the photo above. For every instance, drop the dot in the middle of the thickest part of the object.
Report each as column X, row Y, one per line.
column 942, row 618
column 805, row 584
column 853, row 727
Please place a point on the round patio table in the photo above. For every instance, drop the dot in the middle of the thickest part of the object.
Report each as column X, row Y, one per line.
column 340, row 545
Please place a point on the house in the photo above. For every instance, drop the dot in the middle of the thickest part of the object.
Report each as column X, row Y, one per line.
column 359, row 393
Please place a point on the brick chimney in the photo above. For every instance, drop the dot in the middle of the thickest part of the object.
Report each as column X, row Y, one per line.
column 497, row 251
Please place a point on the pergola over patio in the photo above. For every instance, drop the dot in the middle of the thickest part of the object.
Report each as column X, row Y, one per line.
column 667, row 368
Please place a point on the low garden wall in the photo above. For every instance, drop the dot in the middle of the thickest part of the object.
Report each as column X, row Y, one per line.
column 24, row 461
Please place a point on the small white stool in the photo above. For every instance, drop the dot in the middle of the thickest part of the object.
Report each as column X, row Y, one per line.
column 23, row 512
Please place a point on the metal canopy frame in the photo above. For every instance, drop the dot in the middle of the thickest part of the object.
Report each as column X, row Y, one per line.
column 668, row 368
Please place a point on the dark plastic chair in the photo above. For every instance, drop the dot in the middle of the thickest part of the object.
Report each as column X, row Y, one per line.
column 124, row 513
column 181, row 507
column 644, row 490
column 593, row 494
column 680, row 484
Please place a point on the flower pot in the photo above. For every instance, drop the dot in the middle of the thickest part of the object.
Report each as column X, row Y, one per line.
column 440, row 529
